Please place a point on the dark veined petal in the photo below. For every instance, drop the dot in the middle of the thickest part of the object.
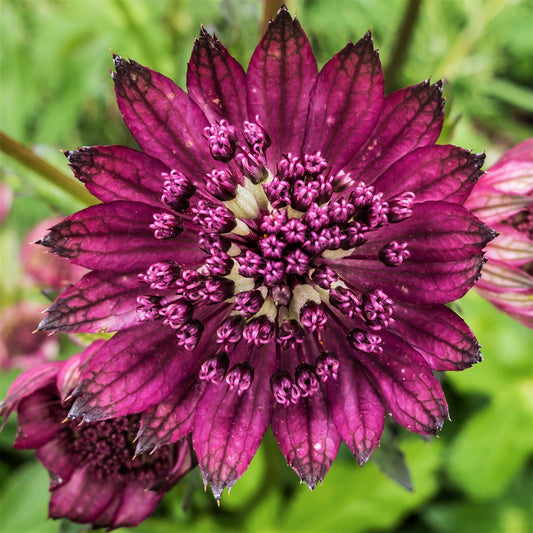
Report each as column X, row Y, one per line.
column 27, row 383
column 445, row 242
column 409, row 391
column 345, row 103
column 438, row 334
column 36, row 420
column 433, row 173
column 118, row 173
column 229, row 427
column 53, row 455
column 131, row 372
column 280, row 77
column 99, row 302
column 165, row 122
column 216, row 81
column 307, row 436
column 172, row 418
column 410, row 118
column 116, row 236
column 356, row 408
column 84, row 498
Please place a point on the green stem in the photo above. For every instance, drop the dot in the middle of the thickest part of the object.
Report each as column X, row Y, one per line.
column 401, row 46
column 31, row 160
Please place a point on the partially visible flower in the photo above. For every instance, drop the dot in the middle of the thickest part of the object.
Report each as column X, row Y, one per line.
column 46, row 269
column 503, row 198
column 95, row 476
column 6, row 197
column 20, row 345
column 279, row 253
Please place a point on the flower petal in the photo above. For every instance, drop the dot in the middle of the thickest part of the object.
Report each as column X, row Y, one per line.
column 172, row 418
column 410, row 118
column 438, row 334
column 85, row 499
column 27, row 383
column 280, row 77
column 99, row 302
column 216, row 81
column 165, row 122
column 116, row 236
column 357, row 410
column 118, row 173
column 433, row 173
column 229, row 427
column 39, row 418
column 445, row 243
column 307, row 436
column 345, row 103
column 409, row 390
column 131, row 372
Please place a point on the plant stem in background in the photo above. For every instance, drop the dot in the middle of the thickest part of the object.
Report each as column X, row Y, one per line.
column 31, row 160
column 401, row 46
column 271, row 8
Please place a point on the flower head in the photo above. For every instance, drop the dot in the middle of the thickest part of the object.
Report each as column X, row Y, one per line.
column 20, row 345
column 95, row 476
column 278, row 253
column 503, row 198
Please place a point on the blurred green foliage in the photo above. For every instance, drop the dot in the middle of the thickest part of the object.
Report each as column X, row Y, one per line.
column 56, row 92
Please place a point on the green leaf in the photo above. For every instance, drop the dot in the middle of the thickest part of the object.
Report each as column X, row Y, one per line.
column 354, row 499
column 492, row 446
column 24, row 501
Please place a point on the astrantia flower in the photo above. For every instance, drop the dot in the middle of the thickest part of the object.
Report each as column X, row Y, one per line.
column 46, row 269
column 279, row 253
column 94, row 476
column 503, row 198
column 20, row 347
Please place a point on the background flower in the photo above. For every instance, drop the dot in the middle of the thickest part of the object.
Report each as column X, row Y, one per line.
column 466, row 479
column 503, row 198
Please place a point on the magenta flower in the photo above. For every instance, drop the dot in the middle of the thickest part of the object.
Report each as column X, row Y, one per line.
column 46, row 269
column 279, row 253
column 20, row 346
column 93, row 476
column 503, row 198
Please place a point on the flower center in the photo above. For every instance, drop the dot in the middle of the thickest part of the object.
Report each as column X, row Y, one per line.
column 271, row 243
column 108, row 450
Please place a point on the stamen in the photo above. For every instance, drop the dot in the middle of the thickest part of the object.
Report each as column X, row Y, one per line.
column 290, row 168
column 316, row 217
column 340, row 211
column 215, row 368
column 161, row 275
column 315, row 164
column 297, row 263
column 222, row 140
column 212, row 217
column 274, row 222
column 255, row 136
column 253, row 166
column 221, row 184
column 189, row 285
column 324, row 276
column 327, row 365
column 394, row 254
column 354, row 235
column 176, row 314
column 313, row 317
column 377, row 309
column 208, row 241
column 230, row 331
column 289, row 334
column 218, row 263
column 248, row 303
column 346, row 301
column 149, row 307
column 217, row 290
column 189, row 335
column 177, row 190
column 284, row 390
column 401, row 207
column 273, row 272
column 306, row 380
column 272, row 246
column 342, row 181
column 251, row 264
column 259, row 330
column 277, row 192
column 304, row 194
column 240, row 377
column 166, row 226
column 294, row 231
column 364, row 342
